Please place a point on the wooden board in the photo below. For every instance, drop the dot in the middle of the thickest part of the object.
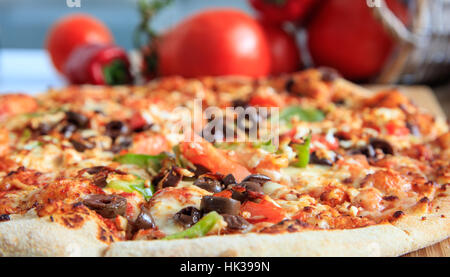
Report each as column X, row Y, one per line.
column 424, row 97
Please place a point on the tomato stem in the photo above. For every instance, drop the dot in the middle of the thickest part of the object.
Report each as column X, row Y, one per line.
column 116, row 73
column 148, row 9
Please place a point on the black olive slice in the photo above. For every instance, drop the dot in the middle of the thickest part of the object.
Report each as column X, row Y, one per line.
column 144, row 220
column 314, row 159
column 116, row 128
column 252, row 186
column 221, row 205
column 258, row 178
column 79, row 120
column 188, row 216
column 208, row 183
column 108, row 206
column 383, row 145
column 235, row 222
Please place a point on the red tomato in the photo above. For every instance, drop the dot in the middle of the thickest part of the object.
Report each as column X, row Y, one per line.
column 279, row 11
column 260, row 100
column 12, row 104
column 345, row 35
column 283, row 48
column 204, row 154
column 213, row 43
column 330, row 145
column 395, row 130
column 149, row 144
column 73, row 31
column 265, row 211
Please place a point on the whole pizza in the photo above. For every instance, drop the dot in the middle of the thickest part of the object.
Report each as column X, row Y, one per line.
column 305, row 164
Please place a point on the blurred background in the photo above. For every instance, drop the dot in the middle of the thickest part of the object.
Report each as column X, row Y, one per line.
column 25, row 23
column 25, row 65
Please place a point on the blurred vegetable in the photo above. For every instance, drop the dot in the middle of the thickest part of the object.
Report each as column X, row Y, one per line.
column 201, row 228
column 302, row 153
column 74, row 31
column 285, row 54
column 131, row 185
column 98, row 64
column 211, row 43
column 302, row 114
column 264, row 211
column 345, row 35
column 144, row 161
column 279, row 11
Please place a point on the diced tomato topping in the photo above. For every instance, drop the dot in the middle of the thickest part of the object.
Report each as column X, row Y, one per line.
column 137, row 121
column 205, row 154
column 150, row 144
column 224, row 193
column 330, row 145
column 12, row 104
column 395, row 130
column 266, row 101
column 264, row 211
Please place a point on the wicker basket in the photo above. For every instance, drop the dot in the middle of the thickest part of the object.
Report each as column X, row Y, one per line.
column 423, row 52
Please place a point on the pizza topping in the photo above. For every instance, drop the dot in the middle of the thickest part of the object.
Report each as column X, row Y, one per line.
column 129, row 183
column 209, row 182
column 200, row 229
column 221, row 205
column 258, row 178
column 77, row 119
column 68, row 130
column 383, row 145
column 108, row 206
column 322, row 160
column 188, row 216
column 171, row 178
column 116, row 128
column 81, row 146
column 101, row 174
column 236, row 222
column 251, row 186
column 4, row 217
column 144, row 220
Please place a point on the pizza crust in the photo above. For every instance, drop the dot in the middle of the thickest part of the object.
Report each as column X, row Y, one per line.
column 408, row 234
column 369, row 241
column 427, row 229
column 29, row 235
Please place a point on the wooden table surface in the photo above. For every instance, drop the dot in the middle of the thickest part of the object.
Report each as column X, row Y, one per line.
column 425, row 98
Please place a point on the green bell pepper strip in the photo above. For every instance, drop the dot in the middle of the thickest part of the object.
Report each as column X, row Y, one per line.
column 302, row 153
column 201, row 228
column 142, row 160
column 136, row 184
column 309, row 115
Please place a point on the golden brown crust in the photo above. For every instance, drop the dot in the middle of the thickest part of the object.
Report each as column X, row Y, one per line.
column 408, row 234
column 29, row 235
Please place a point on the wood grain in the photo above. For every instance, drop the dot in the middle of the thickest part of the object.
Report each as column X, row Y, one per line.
column 424, row 97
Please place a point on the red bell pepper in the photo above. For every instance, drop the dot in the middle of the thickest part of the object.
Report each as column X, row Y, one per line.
column 98, row 64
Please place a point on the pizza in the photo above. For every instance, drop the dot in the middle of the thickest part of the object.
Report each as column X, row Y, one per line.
column 120, row 171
